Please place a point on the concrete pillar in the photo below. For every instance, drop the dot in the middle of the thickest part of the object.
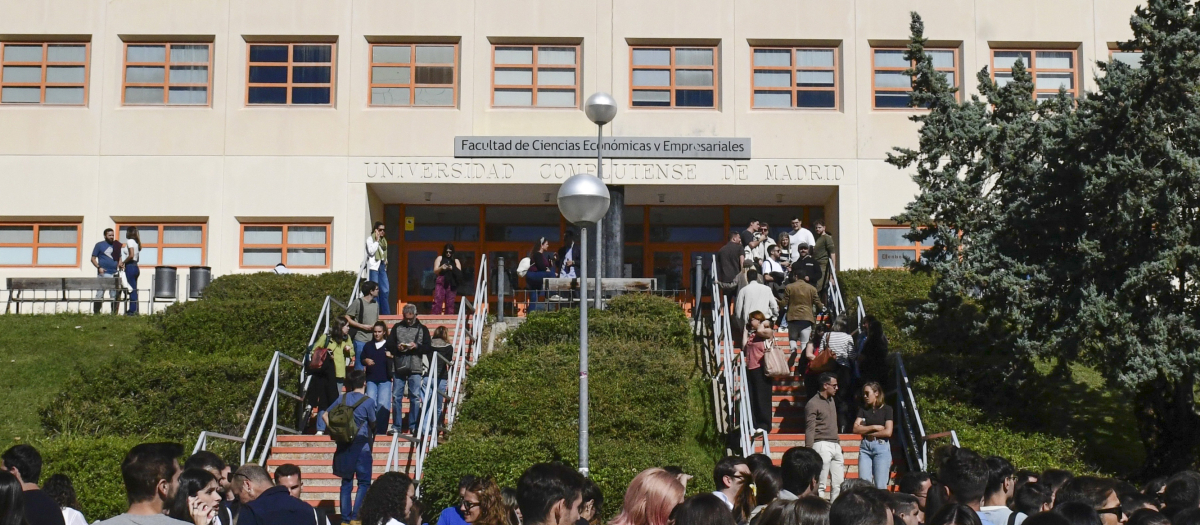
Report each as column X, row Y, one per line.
column 614, row 233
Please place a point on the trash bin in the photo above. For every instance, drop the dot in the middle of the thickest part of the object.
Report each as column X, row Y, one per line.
column 198, row 279
column 165, row 282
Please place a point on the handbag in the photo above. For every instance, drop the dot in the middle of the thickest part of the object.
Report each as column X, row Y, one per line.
column 775, row 361
column 824, row 361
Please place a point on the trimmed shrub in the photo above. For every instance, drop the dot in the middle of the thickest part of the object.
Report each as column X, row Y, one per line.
column 241, row 327
column 94, row 466
column 292, row 288
column 648, row 403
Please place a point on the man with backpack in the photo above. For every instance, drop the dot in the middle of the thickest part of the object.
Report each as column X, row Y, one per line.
column 350, row 420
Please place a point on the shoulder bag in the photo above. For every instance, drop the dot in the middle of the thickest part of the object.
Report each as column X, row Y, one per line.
column 824, row 360
column 775, row 361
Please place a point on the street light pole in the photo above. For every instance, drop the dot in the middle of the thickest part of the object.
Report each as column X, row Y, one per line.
column 600, row 224
column 583, row 356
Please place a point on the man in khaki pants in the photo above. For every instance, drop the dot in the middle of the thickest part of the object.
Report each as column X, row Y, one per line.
column 820, row 434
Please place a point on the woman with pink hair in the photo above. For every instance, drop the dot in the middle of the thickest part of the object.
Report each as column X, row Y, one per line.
column 651, row 497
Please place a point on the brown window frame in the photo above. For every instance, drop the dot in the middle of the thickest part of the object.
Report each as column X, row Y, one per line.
column 413, row 84
column 1034, row 70
column 954, row 72
column 159, row 245
column 291, row 64
column 166, row 65
column 35, row 244
column 534, row 88
column 44, row 64
column 671, row 88
column 793, row 69
column 284, row 245
column 916, row 248
column 1112, row 51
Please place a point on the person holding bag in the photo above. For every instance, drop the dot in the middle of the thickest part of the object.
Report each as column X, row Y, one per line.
column 759, row 331
column 841, row 345
column 448, row 269
column 410, row 347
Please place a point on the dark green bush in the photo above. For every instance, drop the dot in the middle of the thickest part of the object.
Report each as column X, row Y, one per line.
column 94, row 466
column 647, row 403
column 237, row 327
column 270, row 286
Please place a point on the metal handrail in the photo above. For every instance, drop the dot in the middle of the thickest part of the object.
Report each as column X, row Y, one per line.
column 835, row 292
column 737, row 396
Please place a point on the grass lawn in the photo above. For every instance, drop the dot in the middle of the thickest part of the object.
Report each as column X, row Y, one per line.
column 1099, row 418
column 40, row 352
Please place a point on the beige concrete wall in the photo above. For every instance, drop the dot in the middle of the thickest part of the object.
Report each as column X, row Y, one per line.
column 228, row 162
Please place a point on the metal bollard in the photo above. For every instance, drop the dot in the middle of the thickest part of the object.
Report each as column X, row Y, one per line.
column 501, row 282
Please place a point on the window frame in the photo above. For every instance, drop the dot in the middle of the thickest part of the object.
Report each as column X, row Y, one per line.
column 1034, row 70
column 36, row 244
column 916, row 248
column 955, row 71
column 1112, row 51
column 534, row 66
column 794, row 68
column 715, row 68
column 413, row 85
column 166, row 83
column 291, row 63
column 45, row 64
column 284, row 245
column 160, row 244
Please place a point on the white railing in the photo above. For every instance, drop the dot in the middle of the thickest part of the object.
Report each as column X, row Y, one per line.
column 835, row 293
column 733, row 373
column 467, row 343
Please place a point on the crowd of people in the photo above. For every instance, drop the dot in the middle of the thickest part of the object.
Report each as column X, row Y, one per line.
column 966, row 489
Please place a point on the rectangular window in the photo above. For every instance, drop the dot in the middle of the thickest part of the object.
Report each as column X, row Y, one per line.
column 44, row 73
column 535, row 76
column 167, row 74
column 291, row 74
column 795, row 77
column 414, row 74
column 675, row 76
column 1131, row 58
column 1050, row 68
column 46, row 244
column 892, row 250
column 169, row 244
column 891, row 88
column 294, row 245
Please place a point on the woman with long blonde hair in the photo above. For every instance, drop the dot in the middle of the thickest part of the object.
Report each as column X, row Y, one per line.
column 874, row 423
column 651, row 497
column 482, row 504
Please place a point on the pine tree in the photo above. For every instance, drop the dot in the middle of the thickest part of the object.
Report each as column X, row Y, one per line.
column 1071, row 223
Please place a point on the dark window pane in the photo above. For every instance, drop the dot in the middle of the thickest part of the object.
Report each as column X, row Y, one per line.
column 815, row 99
column 694, row 98
column 686, row 233
column 310, row 95
column 268, row 95
column 891, row 100
column 310, row 74
column 443, row 233
column 268, row 53
column 268, row 74
column 435, row 75
column 313, row 53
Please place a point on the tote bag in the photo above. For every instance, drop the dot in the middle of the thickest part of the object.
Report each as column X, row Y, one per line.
column 824, row 360
column 775, row 360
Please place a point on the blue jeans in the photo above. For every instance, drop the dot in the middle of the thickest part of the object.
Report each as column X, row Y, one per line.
column 441, row 394
column 131, row 273
column 362, row 470
column 380, row 278
column 358, row 348
column 875, row 461
column 411, row 383
column 100, row 293
column 379, row 392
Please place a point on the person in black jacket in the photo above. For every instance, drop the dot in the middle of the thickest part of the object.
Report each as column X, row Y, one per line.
column 322, row 387
column 409, row 344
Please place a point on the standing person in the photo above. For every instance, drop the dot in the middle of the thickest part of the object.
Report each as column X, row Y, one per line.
column 12, row 501
column 874, row 423
column 765, row 242
column 816, row 345
column 749, row 236
column 271, row 504
column 729, row 264
column 805, row 267
column 454, row 515
column 800, row 472
column 341, row 351
column 25, row 462
column 320, row 363
column 60, row 489
column 755, row 297
column 802, row 303
column 799, row 235
column 591, row 510
column 860, row 506
column 650, row 498
column 410, row 346
column 390, row 500
column 448, row 270
column 873, row 351
column 842, row 345
column 787, row 252
column 729, row 475
column 197, row 488
column 702, row 509
column 104, row 258
column 131, row 252
column 964, row 477
column 821, row 434
column 377, row 250
column 361, row 315
column 443, row 355
column 288, row 475
column 540, row 269
column 773, row 271
column 918, row 485
column 354, row 459
column 151, row 475
column 377, row 357
column 549, row 494
column 1001, row 486
column 566, row 257
column 216, row 466
column 760, row 333
column 825, row 252
column 482, row 503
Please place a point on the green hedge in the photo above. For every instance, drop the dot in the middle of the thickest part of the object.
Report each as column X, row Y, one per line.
column 270, row 286
column 94, row 465
column 648, row 404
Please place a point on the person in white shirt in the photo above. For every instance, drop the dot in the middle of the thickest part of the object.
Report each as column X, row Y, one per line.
column 799, row 234
column 728, row 476
column 755, row 296
column 765, row 242
column 845, row 352
column 60, row 489
column 377, row 265
column 1001, row 484
column 130, row 253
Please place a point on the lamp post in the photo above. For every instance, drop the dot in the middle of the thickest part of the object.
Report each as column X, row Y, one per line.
column 583, row 200
column 600, row 108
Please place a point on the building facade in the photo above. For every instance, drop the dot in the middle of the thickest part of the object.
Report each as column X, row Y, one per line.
column 242, row 133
